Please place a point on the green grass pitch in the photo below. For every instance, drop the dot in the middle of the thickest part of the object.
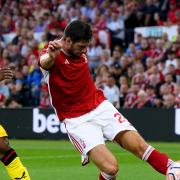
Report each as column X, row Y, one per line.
column 57, row 160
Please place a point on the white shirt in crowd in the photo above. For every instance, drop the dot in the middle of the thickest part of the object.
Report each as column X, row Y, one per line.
column 112, row 94
column 117, row 25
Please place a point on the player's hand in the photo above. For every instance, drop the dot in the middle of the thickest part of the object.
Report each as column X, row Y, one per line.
column 5, row 74
column 54, row 48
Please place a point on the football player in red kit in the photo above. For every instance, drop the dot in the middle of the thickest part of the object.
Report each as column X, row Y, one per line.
column 8, row 156
column 87, row 115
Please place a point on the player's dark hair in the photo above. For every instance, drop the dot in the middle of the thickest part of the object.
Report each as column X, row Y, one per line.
column 78, row 31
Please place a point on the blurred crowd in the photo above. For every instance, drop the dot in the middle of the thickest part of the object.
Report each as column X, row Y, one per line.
column 133, row 71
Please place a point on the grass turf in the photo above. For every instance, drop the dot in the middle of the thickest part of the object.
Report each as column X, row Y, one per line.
column 57, row 160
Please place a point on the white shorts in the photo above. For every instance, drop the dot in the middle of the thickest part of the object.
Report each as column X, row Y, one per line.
column 93, row 128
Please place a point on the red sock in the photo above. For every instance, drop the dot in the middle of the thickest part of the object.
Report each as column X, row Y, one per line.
column 101, row 177
column 157, row 160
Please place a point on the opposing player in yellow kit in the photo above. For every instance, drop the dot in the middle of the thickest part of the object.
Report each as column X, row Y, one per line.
column 8, row 156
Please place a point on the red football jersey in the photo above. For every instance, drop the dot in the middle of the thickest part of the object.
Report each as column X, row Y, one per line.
column 71, row 87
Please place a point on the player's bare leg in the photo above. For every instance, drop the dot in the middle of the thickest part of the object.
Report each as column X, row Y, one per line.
column 133, row 142
column 4, row 146
column 105, row 161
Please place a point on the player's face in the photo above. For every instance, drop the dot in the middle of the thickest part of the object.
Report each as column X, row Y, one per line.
column 78, row 48
column 75, row 49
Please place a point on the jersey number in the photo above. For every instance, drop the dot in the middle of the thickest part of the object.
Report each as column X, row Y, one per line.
column 121, row 119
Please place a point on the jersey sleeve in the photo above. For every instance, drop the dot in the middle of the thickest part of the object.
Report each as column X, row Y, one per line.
column 3, row 133
column 44, row 71
column 43, row 52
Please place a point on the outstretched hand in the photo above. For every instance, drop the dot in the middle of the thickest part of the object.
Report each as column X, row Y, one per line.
column 5, row 74
column 54, row 48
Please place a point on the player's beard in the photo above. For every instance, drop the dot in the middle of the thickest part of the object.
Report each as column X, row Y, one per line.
column 73, row 55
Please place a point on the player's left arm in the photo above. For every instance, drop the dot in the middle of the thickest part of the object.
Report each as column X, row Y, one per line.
column 5, row 74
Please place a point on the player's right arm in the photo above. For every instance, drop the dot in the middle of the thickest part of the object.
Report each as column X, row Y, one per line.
column 48, row 57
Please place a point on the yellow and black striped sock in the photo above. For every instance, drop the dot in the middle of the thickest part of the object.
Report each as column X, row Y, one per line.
column 14, row 166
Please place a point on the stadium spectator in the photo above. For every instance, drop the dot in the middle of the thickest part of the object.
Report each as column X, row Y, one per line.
column 148, row 10
column 172, row 70
column 44, row 96
column 169, row 101
column 11, row 103
column 167, row 43
column 143, row 100
column 4, row 90
column 131, row 50
column 170, row 83
column 149, row 64
column 90, row 10
column 123, row 92
column 116, row 55
column 111, row 91
column 158, row 103
column 41, row 25
column 174, row 13
column 116, row 28
column 100, row 23
column 115, row 67
column 171, row 55
column 34, row 81
column 123, row 80
column 105, row 57
column 93, row 52
column 151, row 93
column 130, row 74
column 131, row 21
column 164, row 91
column 131, row 97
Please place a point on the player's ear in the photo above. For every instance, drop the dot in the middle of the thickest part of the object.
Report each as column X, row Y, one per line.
column 68, row 42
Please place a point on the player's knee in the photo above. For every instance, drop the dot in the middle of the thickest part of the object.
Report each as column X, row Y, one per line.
column 4, row 145
column 112, row 169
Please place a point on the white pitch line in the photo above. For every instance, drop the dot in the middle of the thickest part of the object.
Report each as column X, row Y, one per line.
column 42, row 147
column 74, row 156
column 61, row 156
column 50, row 157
